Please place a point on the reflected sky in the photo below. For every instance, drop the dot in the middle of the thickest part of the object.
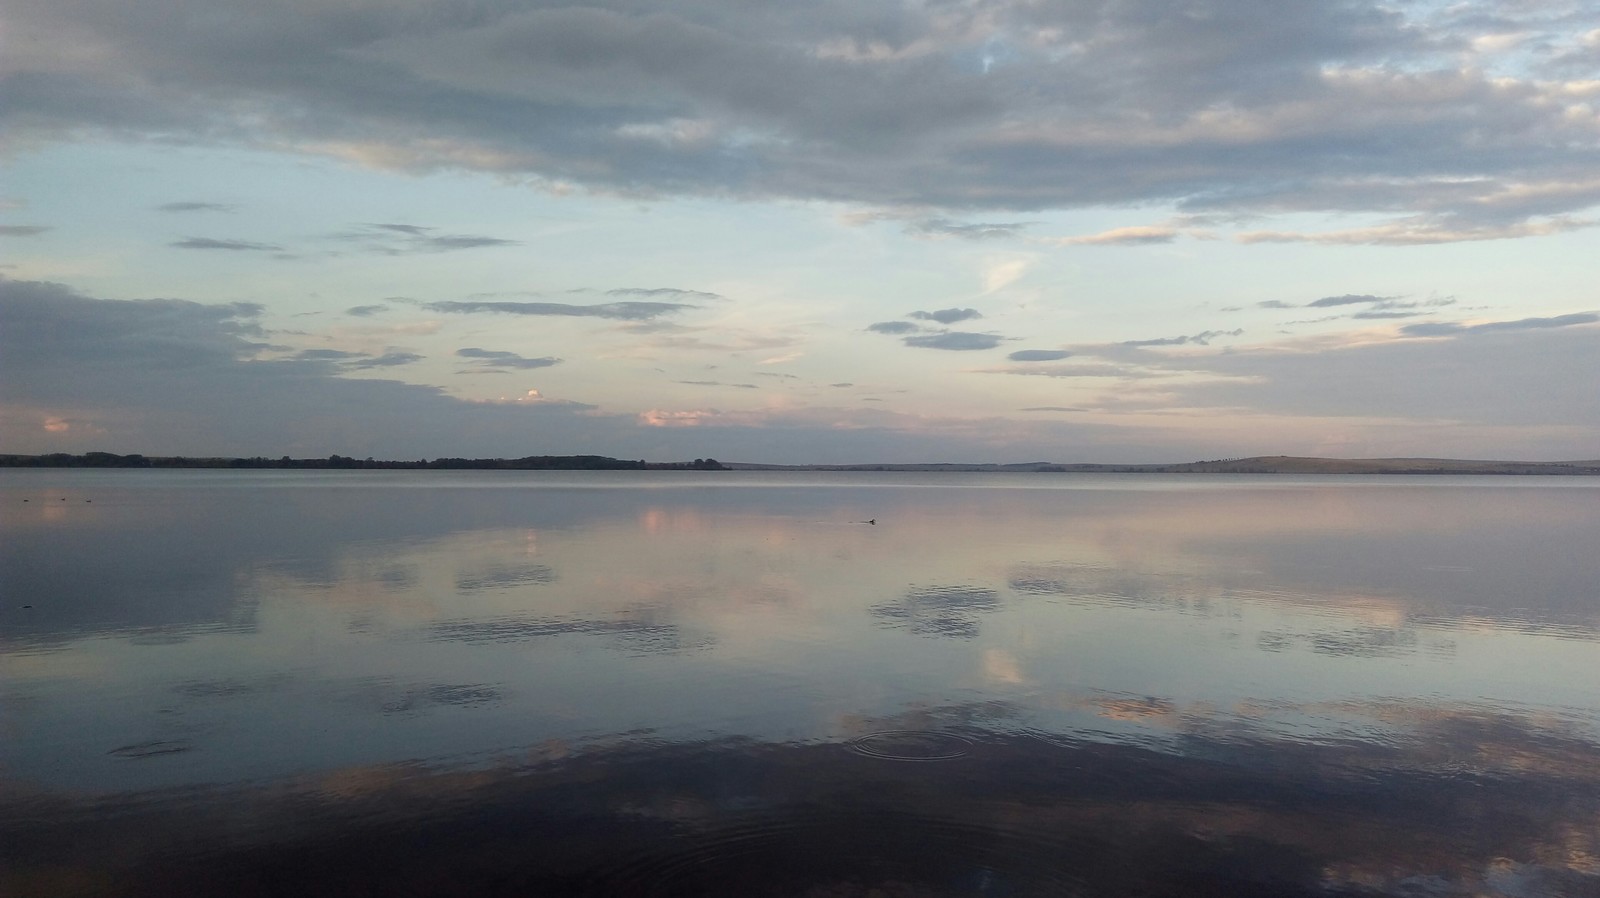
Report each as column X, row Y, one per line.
column 1292, row 686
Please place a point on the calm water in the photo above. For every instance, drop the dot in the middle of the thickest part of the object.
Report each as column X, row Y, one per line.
column 683, row 684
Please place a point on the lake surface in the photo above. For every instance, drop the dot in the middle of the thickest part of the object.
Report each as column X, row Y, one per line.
column 727, row 684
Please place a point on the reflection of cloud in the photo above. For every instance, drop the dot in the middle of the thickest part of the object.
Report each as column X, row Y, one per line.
column 502, row 576
column 1236, row 813
column 938, row 610
column 636, row 630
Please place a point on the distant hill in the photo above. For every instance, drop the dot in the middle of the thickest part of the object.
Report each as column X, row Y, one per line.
column 1262, row 464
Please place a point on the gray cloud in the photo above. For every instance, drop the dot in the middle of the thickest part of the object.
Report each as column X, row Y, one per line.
column 947, row 316
column 1224, row 107
column 1203, row 338
column 1346, row 300
column 1535, row 372
column 172, row 376
column 1080, row 370
column 365, row 311
column 624, row 311
column 1380, row 314
column 716, row 383
column 1038, row 355
column 1053, row 408
column 658, row 292
column 1447, row 328
column 1276, row 304
column 387, row 360
column 196, row 207
column 357, row 361
column 893, row 327
column 23, row 230
column 487, row 358
column 944, row 227
column 230, row 245
column 954, row 340
column 404, row 239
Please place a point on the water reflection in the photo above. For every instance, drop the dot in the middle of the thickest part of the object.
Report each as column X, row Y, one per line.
column 1015, row 813
column 648, row 685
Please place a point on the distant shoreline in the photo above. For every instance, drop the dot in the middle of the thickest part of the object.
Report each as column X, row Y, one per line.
column 1266, row 464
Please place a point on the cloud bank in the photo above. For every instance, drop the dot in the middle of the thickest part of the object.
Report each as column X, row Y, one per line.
column 1420, row 114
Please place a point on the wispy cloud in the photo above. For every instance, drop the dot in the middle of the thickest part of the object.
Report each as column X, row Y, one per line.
column 245, row 246
column 954, row 340
column 1038, row 355
column 395, row 239
column 1139, row 235
column 196, row 207
column 486, row 358
column 947, row 316
column 366, row 311
column 893, row 327
column 23, row 230
column 622, row 311
column 1448, row 329
column 660, row 292
column 1203, row 338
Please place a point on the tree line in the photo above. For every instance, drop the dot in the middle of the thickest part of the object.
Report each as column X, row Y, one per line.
column 527, row 463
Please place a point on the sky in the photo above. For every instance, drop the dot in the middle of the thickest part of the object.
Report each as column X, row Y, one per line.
column 841, row 231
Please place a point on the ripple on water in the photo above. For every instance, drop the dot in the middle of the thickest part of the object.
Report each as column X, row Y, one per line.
column 839, row 854
column 912, row 745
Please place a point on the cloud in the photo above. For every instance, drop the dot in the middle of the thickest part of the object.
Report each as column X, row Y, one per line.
column 1053, row 408
column 1346, row 300
column 893, row 327
column 944, row 227
column 716, row 383
column 622, row 311
column 230, row 245
column 1203, row 338
column 1229, row 107
column 167, row 376
column 387, row 360
column 1533, row 373
column 947, row 316
column 1422, row 232
column 953, row 340
column 1140, row 235
column 1079, row 370
column 1038, row 355
column 921, row 224
column 366, row 311
column 485, row 358
column 196, row 207
column 23, row 230
column 1447, row 329
column 658, row 292
column 391, row 239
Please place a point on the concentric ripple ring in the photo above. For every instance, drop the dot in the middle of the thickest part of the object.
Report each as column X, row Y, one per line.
column 912, row 745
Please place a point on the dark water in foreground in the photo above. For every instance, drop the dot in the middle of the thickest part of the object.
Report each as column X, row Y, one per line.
column 676, row 684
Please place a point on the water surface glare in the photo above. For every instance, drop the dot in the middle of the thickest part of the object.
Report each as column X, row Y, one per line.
column 711, row 684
